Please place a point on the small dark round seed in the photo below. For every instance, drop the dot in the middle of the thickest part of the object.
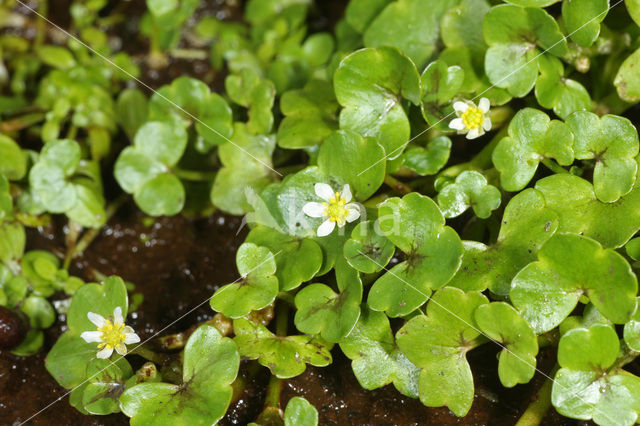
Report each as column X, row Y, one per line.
column 12, row 328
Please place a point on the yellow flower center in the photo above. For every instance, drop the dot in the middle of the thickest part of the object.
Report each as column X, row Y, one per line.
column 472, row 118
column 112, row 335
column 335, row 209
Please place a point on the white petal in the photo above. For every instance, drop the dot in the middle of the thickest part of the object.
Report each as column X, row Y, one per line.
column 473, row 133
column 324, row 191
column 314, row 209
column 121, row 349
column 92, row 336
column 326, row 228
column 96, row 319
column 117, row 315
column 346, row 193
column 130, row 338
column 105, row 353
column 353, row 212
column 486, row 125
column 456, row 124
column 460, row 107
column 484, row 104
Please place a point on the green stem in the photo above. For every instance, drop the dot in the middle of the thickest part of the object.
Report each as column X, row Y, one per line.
column 72, row 132
column 397, row 185
column 43, row 10
column 194, row 175
column 149, row 355
column 553, row 166
column 536, row 411
column 272, row 400
column 190, row 54
column 22, row 122
column 90, row 235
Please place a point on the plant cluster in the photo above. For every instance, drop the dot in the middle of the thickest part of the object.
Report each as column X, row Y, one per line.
column 427, row 178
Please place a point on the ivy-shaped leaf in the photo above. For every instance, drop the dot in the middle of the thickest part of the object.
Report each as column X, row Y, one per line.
column 257, row 287
column 440, row 83
column 55, row 178
column 246, row 164
column 370, row 84
column 285, row 356
column 438, row 343
column 532, row 138
column 433, row 252
column 376, row 359
column 210, row 366
column 470, row 189
column 298, row 261
column 569, row 265
column 461, row 26
column 557, row 92
column 515, row 36
column 333, row 315
column 429, row 160
column 194, row 97
column 582, row 19
column 517, row 359
column 419, row 43
column 13, row 162
column 590, row 385
column 367, row 250
column 355, row 160
column 526, row 225
column 144, row 169
column 101, row 393
column 310, row 115
column 247, row 89
column 612, row 142
column 299, row 412
column 627, row 81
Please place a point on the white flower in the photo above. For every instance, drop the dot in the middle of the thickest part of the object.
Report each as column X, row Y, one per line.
column 112, row 334
column 472, row 120
column 335, row 209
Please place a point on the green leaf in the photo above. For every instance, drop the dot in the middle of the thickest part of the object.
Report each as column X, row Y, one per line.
column 546, row 291
column 440, row 83
column 360, row 13
column 162, row 142
column 68, row 359
column 210, row 366
column 514, row 35
column 517, row 359
column 613, row 142
column 56, row 56
column 322, row 311
column 257, row 287
column 627, row 81
column 367, row 250
column 532, row 138
column 470, row 189
column 419, row 43
column 310, row 115
column 298, row 261
column 580, row 212
column 370, row 84
column 105, row 384
column 438, row 342
column 285, row 356
column 162, row 195
column 526, row 225
column 12, row 241
column 632, row 332
column 433, row 252
column 376, row 359
column 588, row 386
column 582, row 19
column 429, row 160
column 246, row 164
column 132, row 111
column 299, row 412
column 555, row 91
column 247, row 89
column 13, row 163
column 40, row 312
column 355, row 160
column 461, row 26
column 633, row 7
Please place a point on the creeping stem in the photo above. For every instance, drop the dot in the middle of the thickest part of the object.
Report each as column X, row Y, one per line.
column 536, row 411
